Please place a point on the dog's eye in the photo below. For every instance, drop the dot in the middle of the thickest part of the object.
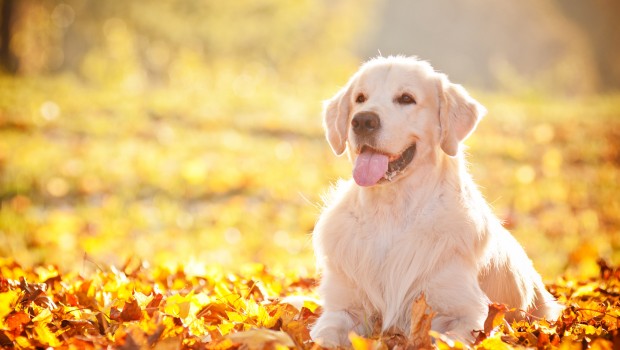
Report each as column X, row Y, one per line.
column 405, row 99
column 360, row 98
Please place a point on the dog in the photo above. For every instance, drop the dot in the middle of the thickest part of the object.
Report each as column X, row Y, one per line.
column 412, row 221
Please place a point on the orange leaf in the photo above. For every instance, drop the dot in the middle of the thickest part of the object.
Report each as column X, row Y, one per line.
column 495, row 317
column 16, row 322
column 213, row 312
column 298, row 331
column 222, row 344
column 71, row 300
column 421, row 317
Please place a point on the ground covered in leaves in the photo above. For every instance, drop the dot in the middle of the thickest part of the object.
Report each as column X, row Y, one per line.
column 139, row 307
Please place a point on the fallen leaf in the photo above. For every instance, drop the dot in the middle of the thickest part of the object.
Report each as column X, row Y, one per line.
column 45, row 336
column 495, row 317
column 361, row 343
column 7, row 303
column 16, row 322
column 421, row 317
column 5, row 341
column 131, row 311
column 257, row 339
column 222, row 344
column 153, row 305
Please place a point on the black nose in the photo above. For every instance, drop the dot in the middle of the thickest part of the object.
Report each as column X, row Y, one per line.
column 364, row 123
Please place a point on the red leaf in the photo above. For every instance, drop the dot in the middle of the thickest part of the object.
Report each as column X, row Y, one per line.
column 131, row 311
column 154, row 304
column 115, row 314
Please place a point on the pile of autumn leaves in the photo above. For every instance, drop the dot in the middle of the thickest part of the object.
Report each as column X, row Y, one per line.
column 139, row 307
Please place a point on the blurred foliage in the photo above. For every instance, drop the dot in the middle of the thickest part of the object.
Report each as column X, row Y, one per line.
column 168, row 131
column 551, row 170
column 170, row 42
column 190, row 131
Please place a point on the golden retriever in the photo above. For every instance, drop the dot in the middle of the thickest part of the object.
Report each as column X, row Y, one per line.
column 412, row 221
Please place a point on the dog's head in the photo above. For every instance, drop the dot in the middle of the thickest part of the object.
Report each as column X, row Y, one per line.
column 395, row 112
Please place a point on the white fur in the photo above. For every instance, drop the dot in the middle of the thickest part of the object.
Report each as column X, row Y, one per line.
column 429, row 230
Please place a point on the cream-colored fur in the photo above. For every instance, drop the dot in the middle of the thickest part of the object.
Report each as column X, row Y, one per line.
column 428, row 230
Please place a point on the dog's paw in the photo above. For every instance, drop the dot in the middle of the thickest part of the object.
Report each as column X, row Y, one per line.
column 332, row 329
column 330, row 338
column 455, row 329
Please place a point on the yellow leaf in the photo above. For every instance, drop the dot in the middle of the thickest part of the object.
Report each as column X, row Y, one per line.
column 584, row 290
column 494, row 342
column 226, row 327
column 23, row 342
column 311, row 305
column 361, row 343
column 590, row 329
column 267, row 320
column 178, row 305
column 7, row 303
column 232, row 298
column 142, row 299
column 198, row 327
column 45, row 336
column 443, row 342
column 45, row 316
column 281, row 347
column 45, row 273
column 251, row 308
column 235, row 317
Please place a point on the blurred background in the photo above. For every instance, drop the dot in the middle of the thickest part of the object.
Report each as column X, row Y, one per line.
column 182, row 131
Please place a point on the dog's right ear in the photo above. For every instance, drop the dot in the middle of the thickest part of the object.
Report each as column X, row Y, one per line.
column 335, row 118
column 459, row 114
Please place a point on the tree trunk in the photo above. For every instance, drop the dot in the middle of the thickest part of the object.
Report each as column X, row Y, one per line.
column 8, row 61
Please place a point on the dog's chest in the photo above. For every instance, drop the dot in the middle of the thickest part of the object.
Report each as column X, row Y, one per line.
column 376, row 237
column 375, row 246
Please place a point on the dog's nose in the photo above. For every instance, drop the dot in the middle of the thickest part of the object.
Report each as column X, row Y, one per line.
column 364, row 123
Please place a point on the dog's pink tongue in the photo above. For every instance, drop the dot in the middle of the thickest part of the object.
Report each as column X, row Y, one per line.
column 370, row 167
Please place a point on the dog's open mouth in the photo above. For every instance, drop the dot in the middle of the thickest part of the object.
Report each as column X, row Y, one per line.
column 372, row 166
column 399, row 164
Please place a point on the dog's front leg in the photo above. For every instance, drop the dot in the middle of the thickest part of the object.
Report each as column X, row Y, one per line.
column 332, row 329
column 333, row 326
column 461, row 305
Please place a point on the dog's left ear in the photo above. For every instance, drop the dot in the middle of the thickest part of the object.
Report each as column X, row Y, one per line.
column 459, row 114
column 335, row 119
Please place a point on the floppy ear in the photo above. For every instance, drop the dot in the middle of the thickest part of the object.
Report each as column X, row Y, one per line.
column 335, row 117
column 459, row 114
